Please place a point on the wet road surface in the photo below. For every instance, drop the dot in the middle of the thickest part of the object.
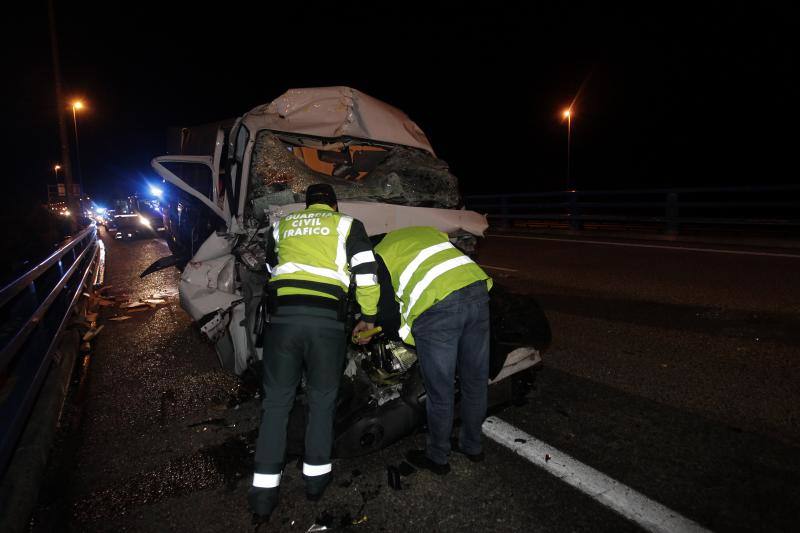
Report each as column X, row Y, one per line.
column 165, row 441
column 655, row 377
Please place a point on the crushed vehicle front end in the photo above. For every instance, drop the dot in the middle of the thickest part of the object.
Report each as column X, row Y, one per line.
column 385, row 174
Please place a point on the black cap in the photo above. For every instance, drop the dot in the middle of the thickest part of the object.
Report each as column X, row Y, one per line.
column 320, row 193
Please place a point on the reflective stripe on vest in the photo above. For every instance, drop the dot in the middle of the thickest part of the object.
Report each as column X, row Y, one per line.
column 342, row 229
column 316, row 470
column 431, row 275
column 266, row 481
column 404, row 332
column 276, row 233
column 291, row 268
column 412, row 267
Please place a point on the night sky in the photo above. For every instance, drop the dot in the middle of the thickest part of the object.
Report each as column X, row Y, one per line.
column 682, row 95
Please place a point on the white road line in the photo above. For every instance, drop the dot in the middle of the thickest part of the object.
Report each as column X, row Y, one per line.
column 634, row 506
column 661, row 246
column 500, row 268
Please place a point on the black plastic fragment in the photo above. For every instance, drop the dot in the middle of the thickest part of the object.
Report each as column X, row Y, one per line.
column 394, row 477
column 406, row 469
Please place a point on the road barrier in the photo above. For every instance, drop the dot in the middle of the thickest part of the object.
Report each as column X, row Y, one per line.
column 34, row 310
column 668, row 209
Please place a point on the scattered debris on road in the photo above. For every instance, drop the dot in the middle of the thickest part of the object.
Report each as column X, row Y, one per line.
column 132, row 305
column 93, row 332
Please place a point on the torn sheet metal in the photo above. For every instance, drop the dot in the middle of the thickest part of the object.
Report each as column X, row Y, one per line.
column 382, row 218
column 208, row 285
column 337, row 112
column 403, row 176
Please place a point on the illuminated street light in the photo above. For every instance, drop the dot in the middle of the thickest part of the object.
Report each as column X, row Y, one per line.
column 76, row 106
column 56, row 169
column 567, row 114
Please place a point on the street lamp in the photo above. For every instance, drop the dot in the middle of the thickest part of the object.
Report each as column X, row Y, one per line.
column 56, row 169
column 567, row 114
column 77, row 105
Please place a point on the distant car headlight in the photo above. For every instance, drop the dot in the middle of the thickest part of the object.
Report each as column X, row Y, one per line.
column 144, row 221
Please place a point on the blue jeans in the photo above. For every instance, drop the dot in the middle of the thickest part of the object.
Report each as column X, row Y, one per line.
column 454, row 334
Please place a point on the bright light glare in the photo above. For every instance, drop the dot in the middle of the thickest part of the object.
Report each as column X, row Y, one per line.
column 567, row 113
column 155, row 191
column 77, row 104
column 100, row 210
column 144, row 221
column 57, row 167
column 66, row 213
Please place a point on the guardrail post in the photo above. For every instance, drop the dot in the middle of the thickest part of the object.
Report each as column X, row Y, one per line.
column 574, row 211
column 672, row 214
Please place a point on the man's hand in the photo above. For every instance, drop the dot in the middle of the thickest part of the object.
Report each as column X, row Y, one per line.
column 362, row 326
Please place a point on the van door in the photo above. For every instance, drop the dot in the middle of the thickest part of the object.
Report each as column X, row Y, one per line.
column 196, row 175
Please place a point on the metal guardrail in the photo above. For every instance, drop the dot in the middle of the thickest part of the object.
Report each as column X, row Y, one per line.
column 669, row 208
column 34, row 310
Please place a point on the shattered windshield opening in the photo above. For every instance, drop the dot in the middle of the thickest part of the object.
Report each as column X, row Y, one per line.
column 280, row 172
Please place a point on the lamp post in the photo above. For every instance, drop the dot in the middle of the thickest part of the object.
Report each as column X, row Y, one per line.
column 77, row 105
column 56, row 169
column 568, row 115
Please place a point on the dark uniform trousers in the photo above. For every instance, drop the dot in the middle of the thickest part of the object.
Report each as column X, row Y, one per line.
column 300, row 337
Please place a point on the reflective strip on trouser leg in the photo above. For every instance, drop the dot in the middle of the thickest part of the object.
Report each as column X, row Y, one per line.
column 266, row 481
column 316, row 470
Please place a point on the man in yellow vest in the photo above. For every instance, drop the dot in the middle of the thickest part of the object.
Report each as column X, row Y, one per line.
column 444, row 311
column 312, row 256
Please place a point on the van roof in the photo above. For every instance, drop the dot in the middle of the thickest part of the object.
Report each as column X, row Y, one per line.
column 332, row 112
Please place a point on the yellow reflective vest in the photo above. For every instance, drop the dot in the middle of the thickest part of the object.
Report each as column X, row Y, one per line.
column 321, row 245
column 425, row 268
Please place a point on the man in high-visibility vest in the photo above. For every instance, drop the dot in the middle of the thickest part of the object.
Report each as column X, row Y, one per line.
column 312, row 256
column 444, row 311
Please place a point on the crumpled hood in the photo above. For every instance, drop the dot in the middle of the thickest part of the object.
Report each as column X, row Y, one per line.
column 337, row 112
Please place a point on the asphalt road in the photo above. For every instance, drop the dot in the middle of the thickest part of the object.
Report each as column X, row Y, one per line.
column 673, row 372
column 676, row 372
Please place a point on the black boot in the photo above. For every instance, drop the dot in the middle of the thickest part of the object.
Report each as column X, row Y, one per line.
column 420, row 460
column 262, row 502
column 316, row 485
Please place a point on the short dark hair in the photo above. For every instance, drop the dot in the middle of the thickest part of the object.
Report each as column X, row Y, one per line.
column 320, row 193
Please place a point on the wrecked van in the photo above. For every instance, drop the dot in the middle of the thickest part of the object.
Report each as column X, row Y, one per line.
column 231, row 181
